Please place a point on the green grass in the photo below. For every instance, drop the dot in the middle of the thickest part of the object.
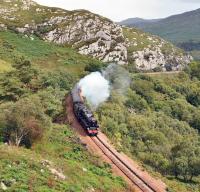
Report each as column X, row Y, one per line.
column 21, row 44
column 4, row 66
column 60, row 145
column 45, row 55
column 22, row 169
column 137, row 36
column 22, row 17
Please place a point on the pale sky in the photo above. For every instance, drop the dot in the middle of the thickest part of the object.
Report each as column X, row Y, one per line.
column 118, row 10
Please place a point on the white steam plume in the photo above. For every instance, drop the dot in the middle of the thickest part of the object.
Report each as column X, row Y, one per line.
column 95, row 88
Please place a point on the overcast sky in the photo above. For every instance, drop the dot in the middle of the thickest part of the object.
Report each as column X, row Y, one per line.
column 118, row 10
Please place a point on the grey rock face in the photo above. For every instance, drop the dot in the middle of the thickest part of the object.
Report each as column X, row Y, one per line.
column 92, row 35
column 155, row 59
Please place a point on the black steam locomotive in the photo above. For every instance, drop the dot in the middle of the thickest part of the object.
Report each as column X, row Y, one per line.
column 83, row 114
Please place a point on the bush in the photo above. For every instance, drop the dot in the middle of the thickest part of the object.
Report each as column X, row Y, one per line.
column 193, row 97
column 60, row 80
column 24, row 122
column 136, row 102
column 95, row 66
column 145, row 89
column 51, row 100
column 24, row 70
column 195, row 122
column 186, row 160
column 17, row 83
column 162, row 88
column 194, row 69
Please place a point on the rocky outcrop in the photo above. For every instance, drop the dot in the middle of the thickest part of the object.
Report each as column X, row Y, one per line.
column 2, row 27
column 151, row 53
column 155, row 60
column 57, row 173
column 91, row 35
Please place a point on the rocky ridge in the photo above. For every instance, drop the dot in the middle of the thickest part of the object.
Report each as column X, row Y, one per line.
column 91, row 35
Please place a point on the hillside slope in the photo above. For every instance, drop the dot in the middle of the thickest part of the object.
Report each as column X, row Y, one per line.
column 62, row 165
column 57, row 161
column 155, row 123
column 91, row 35
column 156, row 116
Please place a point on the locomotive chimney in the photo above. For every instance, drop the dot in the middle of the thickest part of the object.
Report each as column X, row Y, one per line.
column 80, row 92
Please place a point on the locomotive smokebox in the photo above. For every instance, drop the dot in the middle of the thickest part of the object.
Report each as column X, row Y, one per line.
column 77, row 95
column 80, row 92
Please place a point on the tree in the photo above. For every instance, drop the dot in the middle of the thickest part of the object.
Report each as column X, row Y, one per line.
column 24, row 121
column 194, row 168
column 95, row 66
column 158, row 161
column 17, row 82
column 193, row 97
column 186, row 160
column 11, row 88
column 194, row 69
column 24, row 70
column 58, row 79
column 135, row 101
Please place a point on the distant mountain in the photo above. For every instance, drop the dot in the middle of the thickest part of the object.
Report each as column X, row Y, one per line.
column 183, row 29
column 137, row 21
column 177, row 28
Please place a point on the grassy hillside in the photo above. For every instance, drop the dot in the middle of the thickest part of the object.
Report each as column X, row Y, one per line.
column 27, row 170
column 45, row 55
column 38, row 90
column 156, row 116
column 157, row 122
column 140, row 40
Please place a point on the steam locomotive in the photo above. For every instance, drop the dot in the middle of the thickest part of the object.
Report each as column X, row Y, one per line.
column 82, row 113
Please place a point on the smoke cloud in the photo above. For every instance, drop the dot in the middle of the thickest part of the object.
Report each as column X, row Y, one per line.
column 96, row 86
column 118, row 77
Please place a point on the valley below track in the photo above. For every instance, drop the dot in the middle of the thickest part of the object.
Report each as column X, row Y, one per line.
column 137, row 179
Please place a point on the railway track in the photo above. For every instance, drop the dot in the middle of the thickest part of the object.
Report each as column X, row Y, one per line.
column 139, row 180
column 136, row 178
